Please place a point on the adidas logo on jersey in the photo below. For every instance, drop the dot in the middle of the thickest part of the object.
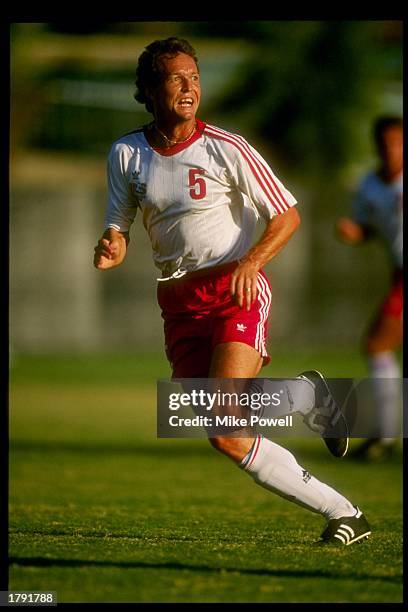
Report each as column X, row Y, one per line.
column 138, row 188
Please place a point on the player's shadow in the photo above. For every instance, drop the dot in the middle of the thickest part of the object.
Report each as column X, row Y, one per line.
column 49, row 562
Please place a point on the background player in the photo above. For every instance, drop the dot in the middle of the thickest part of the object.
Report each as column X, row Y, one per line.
column 200, row 191
column 377, row 211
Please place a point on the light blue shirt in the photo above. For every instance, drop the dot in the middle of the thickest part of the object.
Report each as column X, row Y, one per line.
column 379, row 206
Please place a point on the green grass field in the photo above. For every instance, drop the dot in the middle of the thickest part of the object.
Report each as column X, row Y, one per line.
column 103, row 511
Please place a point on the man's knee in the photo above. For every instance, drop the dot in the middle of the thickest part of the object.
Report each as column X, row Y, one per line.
column 381, row 338
column 234, row 447
column 373, row 345
column 222, row 443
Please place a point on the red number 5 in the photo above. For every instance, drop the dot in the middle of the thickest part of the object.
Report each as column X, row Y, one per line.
column 195, row 182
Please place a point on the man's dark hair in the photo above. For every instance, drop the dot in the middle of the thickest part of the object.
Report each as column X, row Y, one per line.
column 382, row 124
column 148, row 70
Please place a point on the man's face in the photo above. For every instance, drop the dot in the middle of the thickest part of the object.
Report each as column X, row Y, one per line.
column 178, row 95
column 390, row 148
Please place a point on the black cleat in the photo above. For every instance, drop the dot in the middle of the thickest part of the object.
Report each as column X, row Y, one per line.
column 346, row 530
column 326, row 417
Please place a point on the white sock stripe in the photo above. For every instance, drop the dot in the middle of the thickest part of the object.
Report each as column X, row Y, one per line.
column 254, row 450
column 245, row 460
column 348, row 528
column 251, row 453
column 247, row 457
column 258, row 170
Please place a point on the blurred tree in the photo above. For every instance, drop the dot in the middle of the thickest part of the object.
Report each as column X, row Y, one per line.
column 309, row 86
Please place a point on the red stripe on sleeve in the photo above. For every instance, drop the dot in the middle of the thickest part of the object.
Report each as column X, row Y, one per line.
column 261, row 172
column 268, row 172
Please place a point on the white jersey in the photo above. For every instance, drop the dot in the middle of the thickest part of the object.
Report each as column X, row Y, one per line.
column 379, row 206
column 199, row 200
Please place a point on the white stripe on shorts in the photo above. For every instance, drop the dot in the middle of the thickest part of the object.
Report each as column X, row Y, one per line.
column 265, row 298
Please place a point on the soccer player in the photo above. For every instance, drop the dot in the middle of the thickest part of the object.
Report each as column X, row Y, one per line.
column 200, row 190
column 377, row 211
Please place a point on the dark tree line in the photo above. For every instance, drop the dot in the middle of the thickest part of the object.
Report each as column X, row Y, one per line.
column 311, row 88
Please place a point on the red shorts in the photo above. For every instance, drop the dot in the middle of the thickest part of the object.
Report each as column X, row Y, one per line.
column 392, row 306
column 199, row 313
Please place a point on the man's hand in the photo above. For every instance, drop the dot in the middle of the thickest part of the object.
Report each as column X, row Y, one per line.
column 110, row 250
column 349, row 231
column 276, row 235
column 243, row 283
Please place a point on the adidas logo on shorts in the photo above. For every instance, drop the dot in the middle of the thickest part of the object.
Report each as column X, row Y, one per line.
column 241, row 327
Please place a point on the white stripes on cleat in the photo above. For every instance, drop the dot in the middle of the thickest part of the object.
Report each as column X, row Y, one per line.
column 346, row 535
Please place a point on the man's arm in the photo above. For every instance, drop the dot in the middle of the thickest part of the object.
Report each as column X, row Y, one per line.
column 276, row 235
column 111, row 249
column 350, row 232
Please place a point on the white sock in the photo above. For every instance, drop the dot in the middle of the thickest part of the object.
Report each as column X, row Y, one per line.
column 298, row 395
column 387, row 393
column 276, row 469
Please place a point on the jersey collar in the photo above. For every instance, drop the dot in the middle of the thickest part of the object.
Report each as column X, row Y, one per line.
column 166, row 152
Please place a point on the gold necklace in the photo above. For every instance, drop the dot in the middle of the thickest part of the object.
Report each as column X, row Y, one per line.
column 172, row 142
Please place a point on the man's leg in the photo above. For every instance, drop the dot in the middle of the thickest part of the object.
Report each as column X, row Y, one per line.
column 383, row 338
column 234, row 360
column 309, row 395
column 270, row 465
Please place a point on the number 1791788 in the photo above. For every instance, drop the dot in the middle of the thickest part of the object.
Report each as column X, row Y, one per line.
column 31, row 598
